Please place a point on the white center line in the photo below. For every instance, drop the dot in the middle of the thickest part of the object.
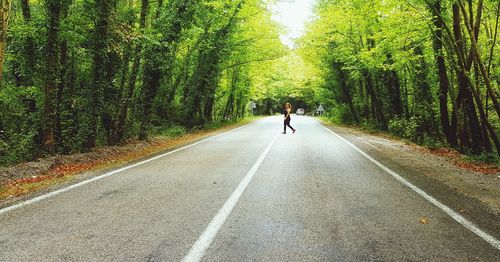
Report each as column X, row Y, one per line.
column 200, row 246
column 456, row 216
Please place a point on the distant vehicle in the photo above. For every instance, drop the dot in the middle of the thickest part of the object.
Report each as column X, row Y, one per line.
column 301, row 111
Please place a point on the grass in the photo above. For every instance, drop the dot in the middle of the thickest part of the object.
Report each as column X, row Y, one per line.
column 223, row 123
column 26, row 188
column 487, row 158
column 170, row 131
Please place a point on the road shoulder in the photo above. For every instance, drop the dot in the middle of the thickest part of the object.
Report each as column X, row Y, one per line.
column 474, row 195
column 31, row 179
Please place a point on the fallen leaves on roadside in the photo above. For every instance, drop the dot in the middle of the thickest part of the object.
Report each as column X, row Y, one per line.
column 424, row 221
column 33, row 179
column 488, row 169
column 100, row 158
column 459, row 160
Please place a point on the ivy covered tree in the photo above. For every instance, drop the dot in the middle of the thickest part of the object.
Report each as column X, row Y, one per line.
column 78, row 74
column 85, row 73
column 416, row 68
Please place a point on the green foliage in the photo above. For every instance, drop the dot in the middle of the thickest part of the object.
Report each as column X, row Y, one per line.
column 219, row 123
column 378, row 60
column 432, row 142
column 484, row 158
column 405, row 128
column 369, row 125
column 409, row 129
column 105, row 71
column 340, row 114
column 169, row 130
column 20, row 119
column 109, row 71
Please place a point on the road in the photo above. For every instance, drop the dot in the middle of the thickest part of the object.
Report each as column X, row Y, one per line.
column 248, row 195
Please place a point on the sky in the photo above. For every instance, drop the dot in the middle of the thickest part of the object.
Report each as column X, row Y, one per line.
column 292, row 14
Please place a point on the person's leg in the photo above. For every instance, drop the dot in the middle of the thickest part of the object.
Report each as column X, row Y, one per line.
column 288, row 124
column 284, row 127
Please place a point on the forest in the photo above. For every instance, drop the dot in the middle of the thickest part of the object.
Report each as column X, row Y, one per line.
column 424, row 70
column 79, row 74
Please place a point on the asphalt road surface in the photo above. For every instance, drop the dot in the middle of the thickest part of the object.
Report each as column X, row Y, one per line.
column 248, row 195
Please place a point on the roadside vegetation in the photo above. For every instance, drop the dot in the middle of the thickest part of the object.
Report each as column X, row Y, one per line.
column 29, row 177
column 81, row 74
column 424, row 70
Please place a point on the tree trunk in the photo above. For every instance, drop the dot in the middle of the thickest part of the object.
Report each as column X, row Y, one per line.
column 158, row 57
column 127, row 95
column 214, row 57
column 444, row 85
column 4, row 23
column 62, row 81
column 53, row 12
column 346, row 96
column 151, row 83
column 423, row 97
column 393, row 85
column 478, row 60
column 376, row 105
column 473, row 31
column 25, row 8
column 229, row 109
column 30, row 59
column 100, row 80
column 494, row 37
column 464, row 88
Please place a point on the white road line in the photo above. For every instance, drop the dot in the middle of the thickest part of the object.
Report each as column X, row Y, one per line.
column 62, row 190
column 456, row 216
column 200, row 246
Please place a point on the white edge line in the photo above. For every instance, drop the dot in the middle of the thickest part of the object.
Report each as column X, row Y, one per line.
column 62, row 190
column 456, row 216
column 198, row 249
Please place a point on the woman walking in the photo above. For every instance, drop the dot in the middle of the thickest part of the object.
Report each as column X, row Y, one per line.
column 288, row 111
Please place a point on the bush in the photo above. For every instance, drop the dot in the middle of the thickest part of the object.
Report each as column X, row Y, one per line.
column 490, row 158
column 405, row 128
column 169, row 131
column 369, row 125
column 340, row 114
column 431, row 142
column 218, row 124
column 20, row 124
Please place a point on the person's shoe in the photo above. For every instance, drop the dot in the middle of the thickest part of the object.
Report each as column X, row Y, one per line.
column 284, row 133
column 294, row 131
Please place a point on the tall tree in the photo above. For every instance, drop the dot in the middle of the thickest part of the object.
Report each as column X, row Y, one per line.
column 201, row 90
column 53, row 16
column 29, row 54
column 4, row 23
column 158, row 59
column 126, row 98
column 444, row 84
column 101, row 79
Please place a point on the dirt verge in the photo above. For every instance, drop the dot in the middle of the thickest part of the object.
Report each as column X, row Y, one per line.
column 471, row 189
column 31, row 178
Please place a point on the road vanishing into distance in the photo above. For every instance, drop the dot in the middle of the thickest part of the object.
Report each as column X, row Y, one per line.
column 251, row 194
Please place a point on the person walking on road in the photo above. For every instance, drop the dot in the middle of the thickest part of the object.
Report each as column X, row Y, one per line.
column 287, row 112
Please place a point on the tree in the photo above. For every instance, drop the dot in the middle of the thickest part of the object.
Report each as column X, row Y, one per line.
column 158, row 58
column 52, row 78
column 385, row 47
column 4, row 23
